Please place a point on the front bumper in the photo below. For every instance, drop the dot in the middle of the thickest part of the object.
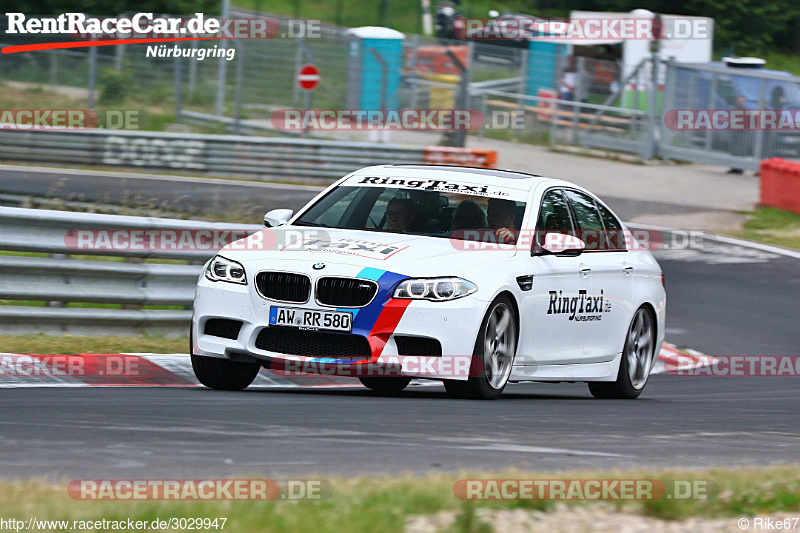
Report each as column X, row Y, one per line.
column 454, row 324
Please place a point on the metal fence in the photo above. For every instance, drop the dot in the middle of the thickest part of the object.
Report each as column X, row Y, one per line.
column 50, row 285
column 706, row 87
column 602, row 109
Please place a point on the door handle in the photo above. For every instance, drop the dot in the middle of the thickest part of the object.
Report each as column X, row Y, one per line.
column 628, row 269
column 585, row 270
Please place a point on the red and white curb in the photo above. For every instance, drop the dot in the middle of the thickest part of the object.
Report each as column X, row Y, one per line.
column 675, row 359
column 128, row 370
column 175, row 370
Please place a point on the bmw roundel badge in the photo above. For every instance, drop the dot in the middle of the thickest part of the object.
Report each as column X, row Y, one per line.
column 318, row 266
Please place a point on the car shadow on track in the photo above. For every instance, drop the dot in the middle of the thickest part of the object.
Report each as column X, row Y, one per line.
column 432, row 393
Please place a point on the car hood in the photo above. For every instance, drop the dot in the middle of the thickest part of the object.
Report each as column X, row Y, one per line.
column 412, row 255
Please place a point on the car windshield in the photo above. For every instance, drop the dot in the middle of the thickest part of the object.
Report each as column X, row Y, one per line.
column 420, row 212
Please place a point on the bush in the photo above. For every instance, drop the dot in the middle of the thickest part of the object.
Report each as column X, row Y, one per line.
column 115, row 85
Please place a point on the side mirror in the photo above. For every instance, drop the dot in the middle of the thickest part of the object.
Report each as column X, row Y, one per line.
column 562, row 245
column 277, row 217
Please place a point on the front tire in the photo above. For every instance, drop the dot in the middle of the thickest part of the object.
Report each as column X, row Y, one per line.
column 222, row 374
column 493, row 355
column 636, row 363
column 388, row 385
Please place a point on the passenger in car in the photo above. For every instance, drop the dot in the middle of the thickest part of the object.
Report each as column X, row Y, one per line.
column 468, row 215
column 502, row 216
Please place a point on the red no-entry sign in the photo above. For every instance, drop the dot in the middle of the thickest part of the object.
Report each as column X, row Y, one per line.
column 308, row 77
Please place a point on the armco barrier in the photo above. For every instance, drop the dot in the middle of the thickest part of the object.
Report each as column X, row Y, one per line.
column 61, row 280
column 780, row 184
column 225, row 155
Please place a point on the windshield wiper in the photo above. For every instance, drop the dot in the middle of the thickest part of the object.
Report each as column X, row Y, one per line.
column 310, row 224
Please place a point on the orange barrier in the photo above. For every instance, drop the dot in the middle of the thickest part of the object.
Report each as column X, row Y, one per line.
column 434, row 58
column 462, row 157
column 780, row 184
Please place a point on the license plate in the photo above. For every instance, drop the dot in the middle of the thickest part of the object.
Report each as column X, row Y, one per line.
column 310, row 319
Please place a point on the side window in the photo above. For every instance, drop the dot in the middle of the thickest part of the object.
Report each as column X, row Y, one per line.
column 590, row 226
column 614, row 232
column 553, row 216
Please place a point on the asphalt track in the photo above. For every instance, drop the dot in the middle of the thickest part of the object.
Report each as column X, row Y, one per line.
column 205, row 195
column 167, row 193
column 723, row 299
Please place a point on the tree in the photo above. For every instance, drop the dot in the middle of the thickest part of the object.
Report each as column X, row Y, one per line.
column 746, row 26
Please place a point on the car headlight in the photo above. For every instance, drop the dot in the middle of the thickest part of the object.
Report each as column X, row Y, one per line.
column 435, row 289
column 222, row 269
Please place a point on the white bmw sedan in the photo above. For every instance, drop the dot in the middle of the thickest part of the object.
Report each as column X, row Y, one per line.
column 474, row 277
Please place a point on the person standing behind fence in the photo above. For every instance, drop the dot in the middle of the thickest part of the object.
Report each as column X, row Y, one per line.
column 568, row 81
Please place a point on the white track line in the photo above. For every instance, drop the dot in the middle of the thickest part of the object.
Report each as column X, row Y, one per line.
column 728, row 240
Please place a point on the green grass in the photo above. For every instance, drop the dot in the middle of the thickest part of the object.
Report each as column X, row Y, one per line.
column 772, row 226
column 384, row 503
column 75, row 344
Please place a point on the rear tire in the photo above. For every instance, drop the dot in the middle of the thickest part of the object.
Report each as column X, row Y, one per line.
column 387, row 385
column 493, row 355
column 222, row 374
column 636, row 363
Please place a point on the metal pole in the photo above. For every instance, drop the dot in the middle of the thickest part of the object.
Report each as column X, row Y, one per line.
column 238, row 94
column 178, row 89
column 758, row 148
column 459, row 138
column 669, row 97
column 412, row 68
column 384, row 76
column 92, row 75
column 53, row 68
column 523, row 73
column 119, row 56
column 193, row 69
column 223, row 63
column 481, row 132
column 652, row 149
column 298, row 58
column 712, row 104
column 578, row 96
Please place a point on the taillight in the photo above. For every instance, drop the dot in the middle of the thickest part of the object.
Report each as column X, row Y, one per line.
column 663, row 283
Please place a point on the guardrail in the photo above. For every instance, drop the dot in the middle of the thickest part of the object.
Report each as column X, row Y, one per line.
column 252, row 157
column 61, row 280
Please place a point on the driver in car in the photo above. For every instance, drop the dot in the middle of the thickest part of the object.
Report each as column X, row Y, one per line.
column 399, row 214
